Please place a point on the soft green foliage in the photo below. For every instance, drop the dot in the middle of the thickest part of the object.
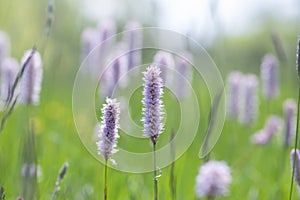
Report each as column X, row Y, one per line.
column 259, row 172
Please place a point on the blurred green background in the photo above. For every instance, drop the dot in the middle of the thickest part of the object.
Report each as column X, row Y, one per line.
column 255, row 169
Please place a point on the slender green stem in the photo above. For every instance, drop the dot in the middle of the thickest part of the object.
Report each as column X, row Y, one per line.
column 105, row 180
column 155, row 173
column 296, row 143
column 172, row 172
column 210, row 198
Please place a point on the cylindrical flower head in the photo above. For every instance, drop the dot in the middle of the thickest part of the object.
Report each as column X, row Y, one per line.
column 185, row 71
column 165, row 62
column 153, row 105
column 106, row 30
column 260, row 137
column 270, row 76
column 108, row 133
column 133, row 39
column 248, row 106
column 289, row 109
column 32, row 79
column 89, row 40
column 107, row 45
column 272, row 126
column 9, row 70
column 298, row 58
column 234, row 83
column 297, row 164
column 111, row 77
column 115, row 75
column 4, row 46
column 213, row 179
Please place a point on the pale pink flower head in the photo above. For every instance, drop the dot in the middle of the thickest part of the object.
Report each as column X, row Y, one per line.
column 273, row 125
column 108, row 133
column 165, row 61
column 270, row 76
column 289, row 109
column 32, row 79
column 4, row 46
column 153, row 105
column 114, row 75
column 248, row 99
column 295, row 156
column 89, row 40
column 234, row 85
column 9, row 70
column 260, row 137
column 213, row 179
column 107, row 29
column 185, row 71
column 133, row 40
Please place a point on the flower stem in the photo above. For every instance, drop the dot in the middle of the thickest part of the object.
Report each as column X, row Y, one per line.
column 172, row 171
column 155, row 172
column 296, row 143
column 105, row 180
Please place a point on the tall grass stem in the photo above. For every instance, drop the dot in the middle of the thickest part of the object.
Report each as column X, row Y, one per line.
column 296, row 143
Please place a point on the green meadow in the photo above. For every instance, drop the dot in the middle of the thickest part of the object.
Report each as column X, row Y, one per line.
column 258, row 171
